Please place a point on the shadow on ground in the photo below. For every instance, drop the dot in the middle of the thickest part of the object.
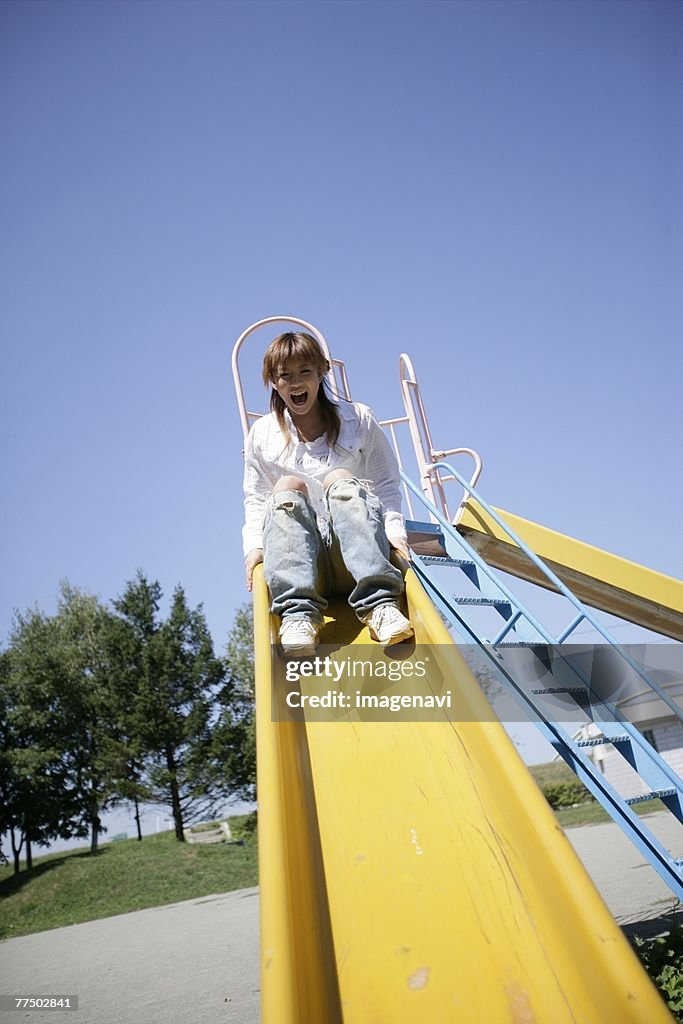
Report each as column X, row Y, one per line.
column 651, row 927
column 14, row 883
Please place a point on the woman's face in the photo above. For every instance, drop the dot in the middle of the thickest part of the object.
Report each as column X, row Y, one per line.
column 297, row 384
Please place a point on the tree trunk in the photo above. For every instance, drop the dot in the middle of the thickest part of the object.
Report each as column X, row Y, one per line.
column 95, row 821
column 28, row 852
column 16, row 850
column 137, row 818
column 175, row 796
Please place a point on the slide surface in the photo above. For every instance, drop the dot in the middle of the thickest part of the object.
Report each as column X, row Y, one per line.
column 412, row 871
column 599, row 578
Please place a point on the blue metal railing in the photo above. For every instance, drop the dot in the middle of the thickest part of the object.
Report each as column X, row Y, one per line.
column 627, row 739
column 584, row 613
column 660, row 769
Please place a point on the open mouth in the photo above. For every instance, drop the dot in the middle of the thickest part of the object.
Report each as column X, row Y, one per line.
column 299, row 399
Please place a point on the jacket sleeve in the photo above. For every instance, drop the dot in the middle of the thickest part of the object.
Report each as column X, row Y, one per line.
column 259, row 480
column 381, row 469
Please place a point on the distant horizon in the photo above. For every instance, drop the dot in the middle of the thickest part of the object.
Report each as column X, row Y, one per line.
column 117, row 823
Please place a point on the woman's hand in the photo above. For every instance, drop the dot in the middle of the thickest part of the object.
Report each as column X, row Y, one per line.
column 250, row 562
column 402, row 548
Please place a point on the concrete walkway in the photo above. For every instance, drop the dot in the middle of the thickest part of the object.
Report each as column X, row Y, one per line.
column 197, row 962
column 635, row 894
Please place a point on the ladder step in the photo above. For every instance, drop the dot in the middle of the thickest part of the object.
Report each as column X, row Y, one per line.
column 561, row 689
column 656, row 794
column 445, row 560
column 598, row 740
column 496, row 602
column 425, row 538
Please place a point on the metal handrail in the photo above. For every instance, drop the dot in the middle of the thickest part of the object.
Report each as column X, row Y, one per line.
column 477, row 559
column 634, row 733
column 425, row 452
column 668, row 867
column 478, row 466
column 565, row 591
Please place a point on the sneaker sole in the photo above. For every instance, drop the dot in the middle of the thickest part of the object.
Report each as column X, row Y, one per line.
column 393, row 638
column 298, row 650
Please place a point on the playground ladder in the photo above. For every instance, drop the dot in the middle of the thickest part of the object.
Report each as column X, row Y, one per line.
column 573, row 686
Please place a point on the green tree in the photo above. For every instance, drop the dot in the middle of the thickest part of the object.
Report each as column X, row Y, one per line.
column 139, row 622
column 235, row 731
column 126, row 752
column 66, row 753
column 7, row 777
column 43, row 793
column 94, row 652
column 177, row 678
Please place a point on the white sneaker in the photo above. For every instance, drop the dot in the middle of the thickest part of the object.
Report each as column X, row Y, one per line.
column 298, row 636
column 388, row 624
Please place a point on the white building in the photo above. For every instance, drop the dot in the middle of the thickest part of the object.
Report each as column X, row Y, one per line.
column 651, row 716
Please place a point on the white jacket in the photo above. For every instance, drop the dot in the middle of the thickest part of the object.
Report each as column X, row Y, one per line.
column 362, row 448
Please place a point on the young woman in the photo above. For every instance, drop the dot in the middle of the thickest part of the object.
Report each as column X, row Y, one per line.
column 322, row 502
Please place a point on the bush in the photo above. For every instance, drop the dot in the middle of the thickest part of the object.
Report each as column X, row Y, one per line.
column 663, row 960
column 243, row 826
column 566, row 794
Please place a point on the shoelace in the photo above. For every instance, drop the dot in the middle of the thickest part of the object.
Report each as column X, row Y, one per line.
column 385, row 612
column 300, row 628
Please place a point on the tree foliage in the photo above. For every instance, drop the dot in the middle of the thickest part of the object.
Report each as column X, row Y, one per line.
column 44, row 796
column 104, row 704
column 176, row 682
column 235, row 732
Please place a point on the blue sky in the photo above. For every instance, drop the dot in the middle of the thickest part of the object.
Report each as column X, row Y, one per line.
column 494, row 188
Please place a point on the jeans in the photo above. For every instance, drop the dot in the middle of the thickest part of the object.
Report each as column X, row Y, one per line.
column 301, row 564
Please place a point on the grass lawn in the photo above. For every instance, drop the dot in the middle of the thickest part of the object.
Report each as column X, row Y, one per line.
column 592, row 813
column 71, row 887
column 552, row 773
column 589, row 813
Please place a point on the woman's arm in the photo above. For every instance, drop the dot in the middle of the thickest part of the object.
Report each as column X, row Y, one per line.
column 251, row 560
column 259, row 480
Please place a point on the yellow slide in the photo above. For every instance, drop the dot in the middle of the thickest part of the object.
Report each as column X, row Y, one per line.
column 412, row 871
column 596, row 577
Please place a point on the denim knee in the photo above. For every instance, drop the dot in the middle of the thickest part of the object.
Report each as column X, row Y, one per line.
column 285, row 501
column 343, row 488
column 349, row 487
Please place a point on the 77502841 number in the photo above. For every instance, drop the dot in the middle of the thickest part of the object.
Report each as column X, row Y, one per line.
column 36, row 1002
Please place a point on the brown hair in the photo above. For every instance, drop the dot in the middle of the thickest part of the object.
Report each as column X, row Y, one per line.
column 302, row 346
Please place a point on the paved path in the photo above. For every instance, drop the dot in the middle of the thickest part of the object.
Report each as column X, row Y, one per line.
column 635, row 894
column 197, row 962
column 194, row 962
